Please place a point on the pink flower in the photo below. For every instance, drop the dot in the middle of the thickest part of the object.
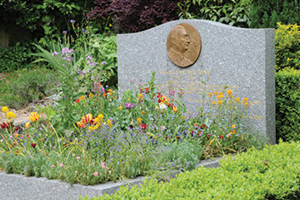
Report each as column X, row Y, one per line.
column 52, row 166
column 78, row 157
column 61, row 164
column 103, row 164
column 73, row 154
column 76, row 172
column 95, row 173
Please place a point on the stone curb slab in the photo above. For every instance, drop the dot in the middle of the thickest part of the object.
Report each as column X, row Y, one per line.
column 19, row 187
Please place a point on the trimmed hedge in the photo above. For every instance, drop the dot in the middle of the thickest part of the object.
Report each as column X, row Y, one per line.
column 272, row 173
column 288, row 105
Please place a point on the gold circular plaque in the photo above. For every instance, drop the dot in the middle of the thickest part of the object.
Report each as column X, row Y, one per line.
column 184, row 45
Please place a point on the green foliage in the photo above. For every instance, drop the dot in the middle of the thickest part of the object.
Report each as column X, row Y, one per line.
column 231, row 12
column 288, row 104
column 28, row 85
column 15, row 57
column 252, row 175
column 287, row 46
column 267, row 13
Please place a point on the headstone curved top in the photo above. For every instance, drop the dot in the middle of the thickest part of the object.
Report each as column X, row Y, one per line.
column 242, row 59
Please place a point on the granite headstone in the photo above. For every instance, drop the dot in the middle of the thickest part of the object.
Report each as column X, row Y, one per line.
column 242, row 59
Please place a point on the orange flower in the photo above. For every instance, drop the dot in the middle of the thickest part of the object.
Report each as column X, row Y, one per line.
column 229, row 92
column 34, row 116
column 221, row 93
column 210, row 94
column 80, row 125
column 237, row 99
column 220, row 102
column 233, row 126
column 233, row 131
column 246, row 105
column 175, row 109
column 82, row 97
column 104, row 94
column 216, row 93
column 143, row 112
column 139, row 120
column 245, row 100
column 110, row 91
column 90, row 95
column 87, row 118
column 220, row 96
column 16, row 135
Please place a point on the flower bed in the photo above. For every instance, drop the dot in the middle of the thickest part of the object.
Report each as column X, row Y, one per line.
column 104, row 138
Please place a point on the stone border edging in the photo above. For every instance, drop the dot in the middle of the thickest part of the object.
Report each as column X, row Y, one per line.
column 19, row 187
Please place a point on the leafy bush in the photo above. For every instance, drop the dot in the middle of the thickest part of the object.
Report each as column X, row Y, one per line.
column 288, row 105
column 231, row 12
column 28, row 85
column 287, row 46
column 267, row 13
column 252, row 175
column 134, row 15
column 15, row 57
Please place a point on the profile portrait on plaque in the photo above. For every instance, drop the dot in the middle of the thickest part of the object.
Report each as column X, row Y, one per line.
column 183, row 45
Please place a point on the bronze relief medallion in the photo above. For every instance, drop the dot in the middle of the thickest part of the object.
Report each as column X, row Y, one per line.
column 184, row 45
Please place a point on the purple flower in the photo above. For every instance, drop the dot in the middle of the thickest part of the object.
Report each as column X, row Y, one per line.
column 65, row 32
column 83, row 30
column 129, row 105
column 72, row 21
column 103, row 63
column 54, row 53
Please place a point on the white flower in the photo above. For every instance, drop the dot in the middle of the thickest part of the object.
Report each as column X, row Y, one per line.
column 162, row 106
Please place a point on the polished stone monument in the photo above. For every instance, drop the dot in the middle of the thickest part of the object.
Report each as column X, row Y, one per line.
column 241, row 59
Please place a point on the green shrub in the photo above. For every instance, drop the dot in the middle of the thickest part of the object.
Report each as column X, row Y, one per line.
column 252, row 175
column 15, row 57
column 266, row 13
column 288, row 104
column 26, row 86
column 287, row 46
column 231, row 12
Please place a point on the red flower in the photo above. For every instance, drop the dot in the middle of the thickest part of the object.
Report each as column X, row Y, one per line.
column 221, row 137
column 77, row 100
column 104, row 94
column 147, row 90
column 203, row 126
column 143, row 126
column 33, row 145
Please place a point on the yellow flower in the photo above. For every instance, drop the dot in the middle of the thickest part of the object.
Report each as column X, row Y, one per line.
column 91, row 129
column 221, row 93
column 141, row 96
column 233, row 126
column 109, row 123
column 288, row 59
column 216, row 93
column 82, row 97
column 246, row 105
column 110, row 91
column 10, row 115
column 143, row 112
column 214, row 102
column 175, row 109
column 237, row 99
column 5, row 109
column 110, row 25
column 229, row 92
column 220, row 102
column 210, row 94
column 220, row 96
column 100, row 116
column 245, row 100
column 16, row 135
column 27, row 125
column 120, row 108
column 139, row 120
column 87, row 118
column 34, row 116
column 231, row 96
column 91, row 95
